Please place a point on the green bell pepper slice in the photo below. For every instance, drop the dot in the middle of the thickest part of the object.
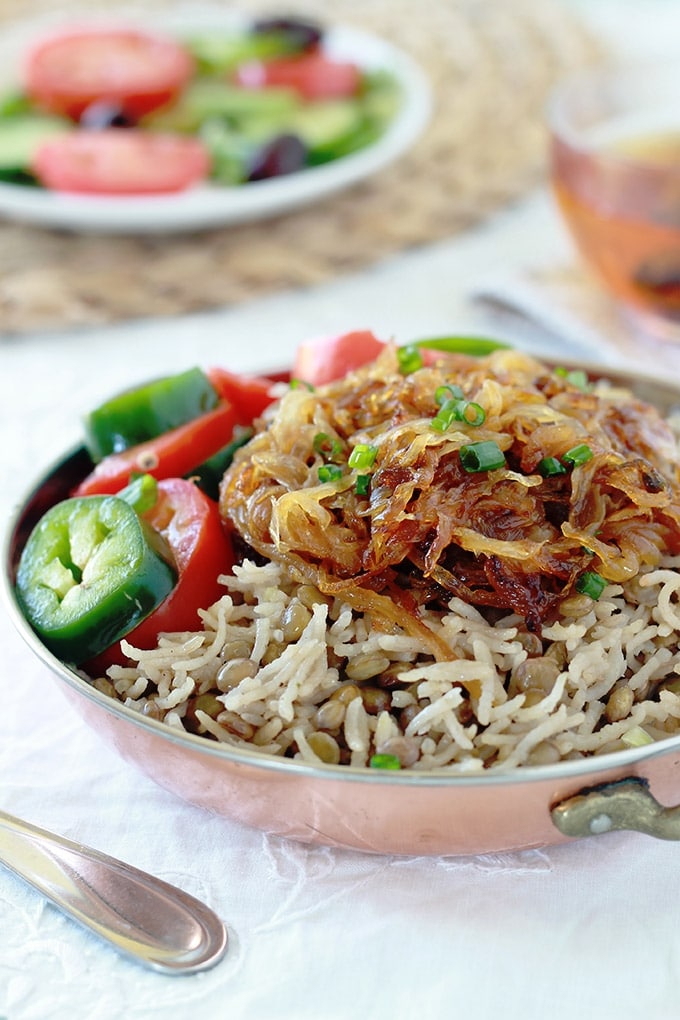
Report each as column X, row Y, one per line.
column 90, row 571
column 148, row 411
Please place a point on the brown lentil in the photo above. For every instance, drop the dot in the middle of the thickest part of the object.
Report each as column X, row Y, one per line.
column 619, row 704
column 231, row 673
column 294, row 619
column 325, row 747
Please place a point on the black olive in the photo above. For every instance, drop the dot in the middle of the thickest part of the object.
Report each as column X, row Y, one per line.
column 104, row 114
column 299, row 35
column 282, row 155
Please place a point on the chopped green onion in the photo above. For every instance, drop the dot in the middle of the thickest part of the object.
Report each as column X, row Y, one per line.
column 363, row 456
column 458, row 410
column 384, row 761
column 474, row 345
column 410, row 359
column 576, row 377
column 484, row 456
column 446, row 414
column 550, row 466
column 444, row 393
column 330, row 449
column 591, row 584
column 578, row 455
column 636, row 737
column 363, row 484
column 473, row 413
column 330, row 472
column 295, row 384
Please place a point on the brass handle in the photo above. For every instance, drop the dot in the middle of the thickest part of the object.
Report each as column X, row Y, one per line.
column 625, row 804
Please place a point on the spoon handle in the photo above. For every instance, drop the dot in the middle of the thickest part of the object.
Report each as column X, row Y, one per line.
column 142, row 916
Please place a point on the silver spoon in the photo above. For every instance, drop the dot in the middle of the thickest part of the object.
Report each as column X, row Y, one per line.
column 142, row 916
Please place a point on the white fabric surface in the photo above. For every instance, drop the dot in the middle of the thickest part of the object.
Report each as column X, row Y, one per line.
column 584, row 929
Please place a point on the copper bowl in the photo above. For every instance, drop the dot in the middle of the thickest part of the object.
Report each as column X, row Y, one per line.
column 405, row 812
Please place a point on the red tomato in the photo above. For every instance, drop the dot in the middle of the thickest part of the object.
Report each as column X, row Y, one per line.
column 137, row 71
column 171, row 455
column 312, row 75
column 321, row 361
column 191, row 525
column 249, row 394
column 120, row 161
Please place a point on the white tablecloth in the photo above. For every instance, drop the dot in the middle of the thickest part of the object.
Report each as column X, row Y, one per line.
column 584, row 929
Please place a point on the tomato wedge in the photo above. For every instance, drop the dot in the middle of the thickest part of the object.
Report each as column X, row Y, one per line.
column 120, row 161
column 311, row 75
column 191, row 525
column 170, row 455
column 138, row 71
column 249, row 394
column 321, row 361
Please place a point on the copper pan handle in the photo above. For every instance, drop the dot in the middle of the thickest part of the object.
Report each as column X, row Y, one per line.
column 625, row 804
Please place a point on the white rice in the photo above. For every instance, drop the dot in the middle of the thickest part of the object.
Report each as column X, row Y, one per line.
column 323, row 696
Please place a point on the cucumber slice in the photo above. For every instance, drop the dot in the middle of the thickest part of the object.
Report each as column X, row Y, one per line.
column 328, row 127
column 20, row 138
column 206, row 99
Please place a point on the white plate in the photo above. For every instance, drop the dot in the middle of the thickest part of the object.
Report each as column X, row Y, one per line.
column 211, row 205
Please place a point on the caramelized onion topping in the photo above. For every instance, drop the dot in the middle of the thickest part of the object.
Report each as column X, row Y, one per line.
column 423, row 529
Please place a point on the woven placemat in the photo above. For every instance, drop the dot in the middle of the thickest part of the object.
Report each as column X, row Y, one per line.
column 491, row 66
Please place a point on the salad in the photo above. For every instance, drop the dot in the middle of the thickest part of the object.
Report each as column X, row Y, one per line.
column 126, row 111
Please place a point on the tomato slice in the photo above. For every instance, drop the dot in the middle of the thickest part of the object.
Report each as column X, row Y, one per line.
column 191, row 525
column 120, row 161
column 321, row 361
column 170, row 455
column 138, row 71
column 311, row 75
column 250, row 394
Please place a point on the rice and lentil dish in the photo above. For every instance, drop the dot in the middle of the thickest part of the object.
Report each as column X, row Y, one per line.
column 471, row 565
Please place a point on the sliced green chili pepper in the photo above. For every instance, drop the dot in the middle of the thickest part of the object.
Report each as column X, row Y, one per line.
column 208, row 475
column 148, row 411
column 474, row 345
column 90, row 571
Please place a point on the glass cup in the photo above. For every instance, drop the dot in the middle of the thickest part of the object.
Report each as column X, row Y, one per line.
column 615, row 164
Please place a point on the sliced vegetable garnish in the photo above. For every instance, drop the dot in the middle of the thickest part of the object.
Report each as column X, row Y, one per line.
column 330, row 472
column 473, row 345
column 189, row 522
column 329, row 447
column 591, row 584
column 551, row 466
column 385, row 761
column 444, row 393
column 578, row 455
column 141, row 493
column 171, row 455
column 363, row 485
column 466, row 411
column 208, row 475
column 484, row 456
column 146, row 411
column 409, row 358
column 577, row 377
column 90, row 571
column 636, row 736
column 363, row 456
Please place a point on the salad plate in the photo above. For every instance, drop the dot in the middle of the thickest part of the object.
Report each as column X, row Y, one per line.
column 210, row 205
